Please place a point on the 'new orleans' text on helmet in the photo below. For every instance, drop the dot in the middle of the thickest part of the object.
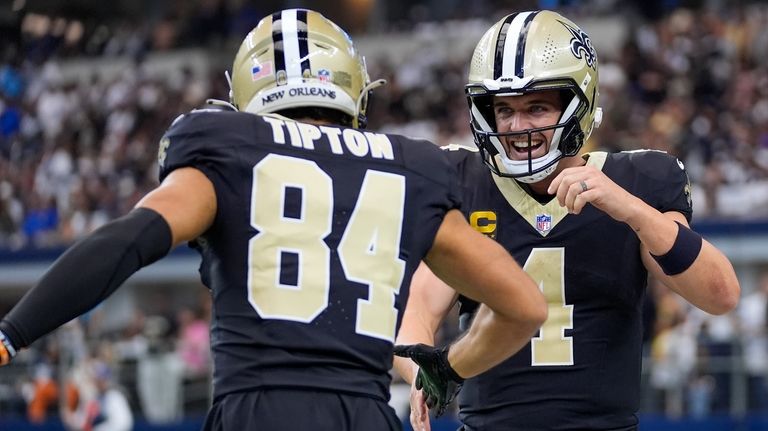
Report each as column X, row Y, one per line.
column 526, row 52
column 297, row 58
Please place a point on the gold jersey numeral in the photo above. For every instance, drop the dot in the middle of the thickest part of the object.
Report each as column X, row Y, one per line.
column 551, row 346
column 368, row 251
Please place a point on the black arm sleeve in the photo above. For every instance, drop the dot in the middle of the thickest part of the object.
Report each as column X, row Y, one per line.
column 87, row 273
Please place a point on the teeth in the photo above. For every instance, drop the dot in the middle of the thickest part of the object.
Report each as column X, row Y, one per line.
column 524, row 144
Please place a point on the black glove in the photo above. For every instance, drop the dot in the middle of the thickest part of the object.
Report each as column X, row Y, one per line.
column 436, row 378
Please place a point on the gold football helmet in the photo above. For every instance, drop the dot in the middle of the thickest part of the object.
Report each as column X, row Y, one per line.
column 296, row 58
column 526, row 52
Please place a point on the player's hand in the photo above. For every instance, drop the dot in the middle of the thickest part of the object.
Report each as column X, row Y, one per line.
column 577, row 186
column 5, row 357
column 419, row 410
column 436, row 378
column 7, row 352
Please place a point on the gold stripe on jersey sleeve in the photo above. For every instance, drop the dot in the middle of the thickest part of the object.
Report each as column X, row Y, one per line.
column 596, row 159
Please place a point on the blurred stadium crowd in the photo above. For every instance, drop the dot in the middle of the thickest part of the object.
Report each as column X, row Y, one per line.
column 75, row 153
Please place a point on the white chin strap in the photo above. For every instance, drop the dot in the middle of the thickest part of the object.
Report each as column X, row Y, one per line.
column 515, row 167
column 363, row 99
column 538, row 176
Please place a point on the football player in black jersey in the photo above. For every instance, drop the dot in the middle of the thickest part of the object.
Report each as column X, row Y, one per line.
column 589, row 227
column 309, row 233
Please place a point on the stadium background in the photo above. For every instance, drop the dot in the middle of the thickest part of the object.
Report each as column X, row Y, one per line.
column 88, row 87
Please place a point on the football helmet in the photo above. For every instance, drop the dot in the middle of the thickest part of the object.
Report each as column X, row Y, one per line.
column 297, row 58
column 526, row 52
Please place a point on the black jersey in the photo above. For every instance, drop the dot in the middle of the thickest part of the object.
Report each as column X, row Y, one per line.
column 582, row 371
column 317, row 233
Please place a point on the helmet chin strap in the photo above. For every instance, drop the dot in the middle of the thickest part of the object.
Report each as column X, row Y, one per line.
column 221, row 103
column 510, row 165
column 538, row 176
column 363, row 93
column 229, row 82
column 224, row 103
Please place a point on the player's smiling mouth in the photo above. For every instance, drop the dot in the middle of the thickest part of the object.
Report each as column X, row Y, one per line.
column 521, row 147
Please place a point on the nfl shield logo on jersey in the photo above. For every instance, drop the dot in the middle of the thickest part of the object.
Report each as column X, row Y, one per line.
column 543, row 223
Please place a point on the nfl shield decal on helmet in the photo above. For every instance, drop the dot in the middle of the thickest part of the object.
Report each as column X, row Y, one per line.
column 324, row 75
column 543, row 223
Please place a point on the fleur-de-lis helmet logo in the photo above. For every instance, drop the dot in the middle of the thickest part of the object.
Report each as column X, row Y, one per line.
column 581, row 45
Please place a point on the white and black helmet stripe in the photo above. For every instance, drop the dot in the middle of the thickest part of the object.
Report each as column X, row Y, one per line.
column 498, row 58
column 510, row 45
column 292, row 55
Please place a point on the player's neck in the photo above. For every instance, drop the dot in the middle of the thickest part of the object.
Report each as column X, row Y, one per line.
column 316, row 122
column 538, row 190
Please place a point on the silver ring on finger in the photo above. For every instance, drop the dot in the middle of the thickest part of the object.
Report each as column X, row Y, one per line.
column 583, row 185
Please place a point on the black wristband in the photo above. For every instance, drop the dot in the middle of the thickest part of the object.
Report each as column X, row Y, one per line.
column 87, row 273
column 683, row 253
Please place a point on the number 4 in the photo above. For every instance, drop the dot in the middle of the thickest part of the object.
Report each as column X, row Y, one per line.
column 551, row 346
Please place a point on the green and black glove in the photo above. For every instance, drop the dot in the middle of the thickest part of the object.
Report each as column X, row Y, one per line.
column 436, row 377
